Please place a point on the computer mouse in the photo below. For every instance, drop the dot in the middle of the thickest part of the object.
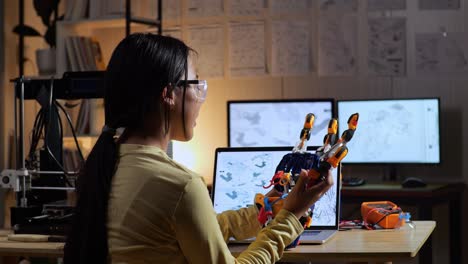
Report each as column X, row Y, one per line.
column 413, row 182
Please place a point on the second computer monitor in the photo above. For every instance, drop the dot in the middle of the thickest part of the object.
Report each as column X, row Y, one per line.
column 274, row 123
column 393, row 131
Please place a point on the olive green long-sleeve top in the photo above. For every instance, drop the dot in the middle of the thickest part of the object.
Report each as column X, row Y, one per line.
column 161, row 212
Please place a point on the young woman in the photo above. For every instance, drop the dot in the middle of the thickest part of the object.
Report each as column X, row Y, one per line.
column 137, row 205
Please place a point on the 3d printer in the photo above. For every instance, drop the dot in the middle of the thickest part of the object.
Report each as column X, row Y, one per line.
column 40, row 180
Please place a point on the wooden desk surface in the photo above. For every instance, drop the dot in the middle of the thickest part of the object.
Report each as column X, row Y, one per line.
column 361, row 245
column 352, row 245
column 30, row 249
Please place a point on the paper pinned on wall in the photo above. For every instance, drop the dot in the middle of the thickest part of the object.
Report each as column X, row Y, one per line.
column 149, row 9
column 245, row 7
column 247, row 49
column 387, row 46
column 338, row 6
column 173, row 32
column 439, row 4
column 436, row 53
column 382, row 5
column 205, row 8
column 290, row 47
column 337, row 53
column 171, row 9
column 208, row 42
column 289, row 6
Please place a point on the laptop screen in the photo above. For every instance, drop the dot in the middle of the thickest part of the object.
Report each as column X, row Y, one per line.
column 240, row 173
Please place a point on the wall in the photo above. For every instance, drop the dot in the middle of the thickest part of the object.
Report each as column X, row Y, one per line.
column 211, row 125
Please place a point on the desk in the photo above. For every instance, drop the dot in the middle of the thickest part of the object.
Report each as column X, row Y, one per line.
column 424, row 199
column 30, row 249
column 361, row 245
column 353, row 245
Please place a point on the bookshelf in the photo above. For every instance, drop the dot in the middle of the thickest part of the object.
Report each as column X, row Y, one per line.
column 83, row 27
column 85, row 42
column 107, row 22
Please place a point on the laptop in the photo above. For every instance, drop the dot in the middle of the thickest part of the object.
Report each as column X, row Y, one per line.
column 240, row 173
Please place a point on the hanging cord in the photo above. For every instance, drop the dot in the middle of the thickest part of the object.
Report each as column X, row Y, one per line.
column 70, row 123
column 35, row 138
column 46, row 143
column 40, row 129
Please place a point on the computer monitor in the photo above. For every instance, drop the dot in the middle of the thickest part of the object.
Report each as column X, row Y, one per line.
column 392, row 131
column 276, row 123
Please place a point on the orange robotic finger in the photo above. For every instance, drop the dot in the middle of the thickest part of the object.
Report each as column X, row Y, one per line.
column 309, row 121
column 353, row 121
column 308, row 124
column 333, row 126
column 352, row 124
column 336, row 158
column 330, row 137
column 305, row 133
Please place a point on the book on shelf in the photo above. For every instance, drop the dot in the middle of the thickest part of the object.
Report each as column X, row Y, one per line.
column 94, row 9
column 97, row 54
column 79, row 54
column 88, row 51
column 76, row 9
column 90, row 117
column 72, row 60
column 83, row 54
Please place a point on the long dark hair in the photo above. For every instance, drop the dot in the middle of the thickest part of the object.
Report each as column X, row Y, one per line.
column 139, row 69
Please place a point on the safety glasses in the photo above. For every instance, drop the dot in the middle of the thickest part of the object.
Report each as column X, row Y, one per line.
column 200, row 86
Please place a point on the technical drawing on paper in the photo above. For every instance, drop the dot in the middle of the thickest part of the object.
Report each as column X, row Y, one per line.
column 337, row 45
column 382, row 5
column 338, row 6
column 245, row 7
column 439, row 4
column 387, row 46
column 209, row 43
column 204, row 8
column 239, row 179
column 290, row 47
column 172, row 32
column 171, row 9
column 436, row 53
column 247, row 49
column 289, row 6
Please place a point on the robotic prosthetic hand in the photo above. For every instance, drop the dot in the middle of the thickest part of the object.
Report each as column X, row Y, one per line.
column 287, row 172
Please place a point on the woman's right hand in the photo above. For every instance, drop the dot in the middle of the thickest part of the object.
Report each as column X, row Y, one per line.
column 300, row 199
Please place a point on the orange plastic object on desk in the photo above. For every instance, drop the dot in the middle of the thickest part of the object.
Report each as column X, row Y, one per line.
column 383, row 213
